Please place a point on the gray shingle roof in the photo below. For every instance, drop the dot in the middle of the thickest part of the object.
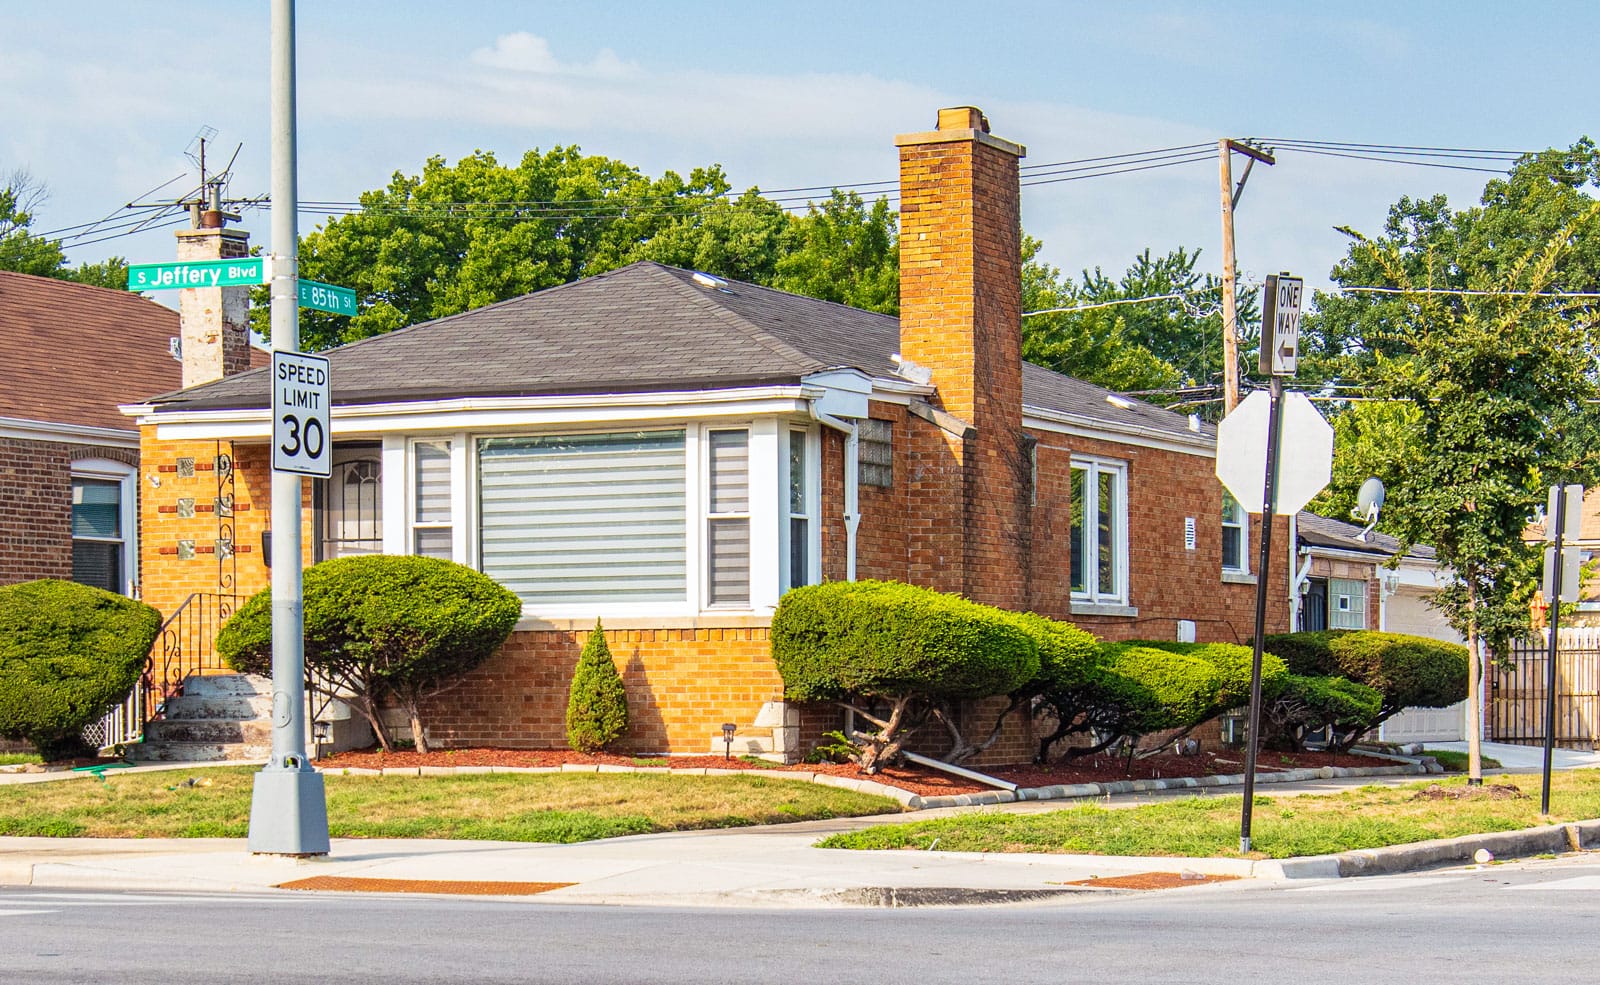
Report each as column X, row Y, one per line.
column 645, row 327
column 1321, row 531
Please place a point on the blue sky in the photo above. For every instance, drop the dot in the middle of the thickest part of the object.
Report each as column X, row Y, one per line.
column 101, row 99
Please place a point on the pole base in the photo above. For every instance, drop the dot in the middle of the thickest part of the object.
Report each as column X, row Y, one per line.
column 288, row 813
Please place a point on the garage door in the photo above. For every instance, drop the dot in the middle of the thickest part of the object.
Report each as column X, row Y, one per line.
column 1427, row 725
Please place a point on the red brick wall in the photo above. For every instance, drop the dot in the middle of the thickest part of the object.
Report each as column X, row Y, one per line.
column 36, row 505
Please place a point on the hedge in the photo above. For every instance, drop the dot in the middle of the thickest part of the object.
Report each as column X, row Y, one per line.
column 384, row 626
column 68, row 654
column 1309, row 704
column 917, row 649
column 1409, row 671
column 877, row 638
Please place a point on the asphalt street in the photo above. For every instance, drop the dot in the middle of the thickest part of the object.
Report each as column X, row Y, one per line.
column 1525, row 922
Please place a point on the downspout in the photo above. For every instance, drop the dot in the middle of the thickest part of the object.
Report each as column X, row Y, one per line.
column 1298, row 578
column 852, row 484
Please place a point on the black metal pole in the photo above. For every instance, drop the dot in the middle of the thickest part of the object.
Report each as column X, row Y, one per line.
column 1269, row 507
column 1560, row 521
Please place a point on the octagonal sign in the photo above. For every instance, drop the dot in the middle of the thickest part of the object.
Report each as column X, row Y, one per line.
column 1305, row 462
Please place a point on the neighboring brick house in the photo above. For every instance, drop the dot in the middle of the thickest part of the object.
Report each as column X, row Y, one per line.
column 69, row 461
column 670, row 452
column 1348, row 579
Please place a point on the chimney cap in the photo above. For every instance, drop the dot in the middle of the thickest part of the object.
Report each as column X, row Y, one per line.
column 963, row 118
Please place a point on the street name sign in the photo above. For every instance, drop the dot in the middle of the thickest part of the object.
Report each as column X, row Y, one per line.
column 301, row 395
column 1280, row 324
column 327, row 297
column 238, row 272
column 1305, row 459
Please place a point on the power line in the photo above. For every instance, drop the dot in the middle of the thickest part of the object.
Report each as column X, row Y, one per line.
column 1469, row 294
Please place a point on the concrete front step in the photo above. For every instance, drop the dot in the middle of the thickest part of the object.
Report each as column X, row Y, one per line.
column 254, row 731
column 240, row 708
column 196, row 752
column 227, row 686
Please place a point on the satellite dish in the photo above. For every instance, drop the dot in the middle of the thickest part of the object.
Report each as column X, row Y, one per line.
column 1369, row 503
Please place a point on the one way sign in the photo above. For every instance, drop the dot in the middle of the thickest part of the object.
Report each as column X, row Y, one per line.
column 1280, row 324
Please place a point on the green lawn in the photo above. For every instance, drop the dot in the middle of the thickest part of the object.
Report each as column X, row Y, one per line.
column 14, row 758
column 1456, row 762
column 1371, row 817
column 554, row 807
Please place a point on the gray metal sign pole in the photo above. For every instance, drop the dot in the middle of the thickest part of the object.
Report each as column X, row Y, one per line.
column 288, row 812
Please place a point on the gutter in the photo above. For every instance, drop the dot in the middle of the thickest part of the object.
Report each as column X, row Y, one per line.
column 852, row 483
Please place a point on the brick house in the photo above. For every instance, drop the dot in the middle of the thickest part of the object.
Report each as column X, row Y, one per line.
column 69, row 461
column 671, row 451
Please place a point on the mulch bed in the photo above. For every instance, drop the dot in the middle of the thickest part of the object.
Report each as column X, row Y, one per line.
column 917, row 779
column 1492, row 791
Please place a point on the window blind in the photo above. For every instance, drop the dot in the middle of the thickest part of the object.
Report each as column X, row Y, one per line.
column 589, row 518
column 728, row 536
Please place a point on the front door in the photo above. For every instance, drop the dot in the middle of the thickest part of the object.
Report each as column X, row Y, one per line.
column 352, row 503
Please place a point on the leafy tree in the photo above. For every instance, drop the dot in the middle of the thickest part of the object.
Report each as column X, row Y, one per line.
column 597, row 704
column 110, row 273
column 843, row 250
column 1155, row 345
column 20, row 250
column 1371, row 438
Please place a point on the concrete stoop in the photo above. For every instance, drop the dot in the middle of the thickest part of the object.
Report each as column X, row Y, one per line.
column 218, row 718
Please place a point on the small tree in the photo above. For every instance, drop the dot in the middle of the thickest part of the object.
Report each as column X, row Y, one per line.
column 597, row 704
column 913, row 648
column 68, row 654
column 382, row 626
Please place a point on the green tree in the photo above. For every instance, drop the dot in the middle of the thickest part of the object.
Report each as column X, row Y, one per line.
column 1371, row 438
column 20, row 250
column 1501, row 380
column 843, row 250
column 597, row 703
column 1123, row 341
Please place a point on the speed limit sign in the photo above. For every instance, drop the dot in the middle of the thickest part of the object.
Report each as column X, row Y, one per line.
column 301, row 394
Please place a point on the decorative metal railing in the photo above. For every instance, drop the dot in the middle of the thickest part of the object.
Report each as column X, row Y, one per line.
column 188, row 644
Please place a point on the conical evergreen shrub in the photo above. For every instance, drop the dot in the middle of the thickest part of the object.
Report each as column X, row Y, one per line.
column 597, row 706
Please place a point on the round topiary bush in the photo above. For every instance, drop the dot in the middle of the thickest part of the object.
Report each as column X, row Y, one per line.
column 1409, row 671
column 68, row 654
column 597, row 703
column 384, row 626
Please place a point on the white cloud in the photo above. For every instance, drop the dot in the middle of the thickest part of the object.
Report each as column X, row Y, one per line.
column 521, row 51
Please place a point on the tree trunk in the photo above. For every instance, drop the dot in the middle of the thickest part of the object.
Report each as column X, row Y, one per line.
column 1474, row 686
column 418, row 736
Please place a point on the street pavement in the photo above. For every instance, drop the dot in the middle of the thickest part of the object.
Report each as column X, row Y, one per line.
column 774, row 865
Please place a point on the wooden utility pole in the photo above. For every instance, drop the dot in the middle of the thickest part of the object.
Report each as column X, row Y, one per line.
column 1230, row 299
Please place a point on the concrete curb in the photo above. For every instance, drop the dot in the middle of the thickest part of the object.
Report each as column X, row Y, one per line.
column 1553, row 839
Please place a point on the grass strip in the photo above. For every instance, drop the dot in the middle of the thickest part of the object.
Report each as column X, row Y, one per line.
column 1281, row 827
column 18, row 758
column 553, row 807
column 1456, row 762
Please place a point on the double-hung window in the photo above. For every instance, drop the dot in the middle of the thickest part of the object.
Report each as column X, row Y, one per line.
column 432, row 529
column 1235, row 535
column 99, row 534
column 800, row 558
column 728, row 518
column 1099, row 531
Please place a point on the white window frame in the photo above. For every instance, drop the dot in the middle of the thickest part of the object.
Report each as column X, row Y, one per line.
column 1094, row 467
column 768, row 456
column 412, row 524
column 707, row 517
column 812, row 491
column 1243, row 526
column 127, row 477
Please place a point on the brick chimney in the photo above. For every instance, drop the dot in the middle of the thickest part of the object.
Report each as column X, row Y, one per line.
column 960, row 316
column 215, row 322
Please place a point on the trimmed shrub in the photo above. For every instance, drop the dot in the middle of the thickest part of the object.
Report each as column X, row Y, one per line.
column 384, row 626
column 1306, row 653
column 912, row 647
column 1409, row 671
column 1309, row 704
column 68, row 654
column 597, row 704
column 1184, row 690
column 1098, row 700
column 1232, row 662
